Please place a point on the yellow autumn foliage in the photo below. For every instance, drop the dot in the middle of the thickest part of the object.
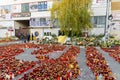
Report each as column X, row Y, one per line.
column 72, row 15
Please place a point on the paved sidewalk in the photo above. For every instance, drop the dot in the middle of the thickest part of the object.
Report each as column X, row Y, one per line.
column 86, row 73
column 114, row 65
column 26, row 55
column 57, row 54
column 7, row 43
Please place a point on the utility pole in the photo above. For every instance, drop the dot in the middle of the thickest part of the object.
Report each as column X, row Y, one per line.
column 108, row 12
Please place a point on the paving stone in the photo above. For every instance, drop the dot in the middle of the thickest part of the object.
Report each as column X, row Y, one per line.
column 114, row 65
column 86, row 73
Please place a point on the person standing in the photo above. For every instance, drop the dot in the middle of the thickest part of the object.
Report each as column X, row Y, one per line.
column 28, row 37
column 22, row 37
column 32, row 37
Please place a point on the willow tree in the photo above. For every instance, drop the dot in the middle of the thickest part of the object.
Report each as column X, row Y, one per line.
column 72, row 15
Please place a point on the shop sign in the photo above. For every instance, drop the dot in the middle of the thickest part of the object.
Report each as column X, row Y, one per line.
column 116, row 16
column 15, row 15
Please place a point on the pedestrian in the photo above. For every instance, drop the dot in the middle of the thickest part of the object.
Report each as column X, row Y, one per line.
column 32, row 37
column 22, row 37
column 28, row 37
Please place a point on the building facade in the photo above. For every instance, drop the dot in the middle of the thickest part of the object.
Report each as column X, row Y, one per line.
column 115, row 23
column 98, row 16
column 31, row 16
column 26, row 16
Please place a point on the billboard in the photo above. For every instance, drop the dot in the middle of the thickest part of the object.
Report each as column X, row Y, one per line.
column 16, row 8
column 5, row 9
column 5, row 12
column 33, row 6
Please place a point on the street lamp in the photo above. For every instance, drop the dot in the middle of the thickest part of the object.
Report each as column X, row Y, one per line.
column 109, row 17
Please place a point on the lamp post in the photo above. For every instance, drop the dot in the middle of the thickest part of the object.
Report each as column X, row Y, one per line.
column 108, row 19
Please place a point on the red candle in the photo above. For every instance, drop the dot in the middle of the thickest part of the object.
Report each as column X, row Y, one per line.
column 59, row 78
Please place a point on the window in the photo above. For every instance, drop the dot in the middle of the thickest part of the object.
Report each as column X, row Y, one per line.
column 55, row 23
column 42, row 5
column 32, row 22
column 47, row 33
column 40, row 21
column 98, row 20
column 37, row 21
column 43, row 21
column 25, row 7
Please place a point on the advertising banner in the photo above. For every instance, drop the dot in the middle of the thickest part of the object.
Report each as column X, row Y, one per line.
column 116, row 16
column 15, row 15
column 5, row 12
column 33, row 6
column 25, row 7
column 5, row 9
column 16, row 8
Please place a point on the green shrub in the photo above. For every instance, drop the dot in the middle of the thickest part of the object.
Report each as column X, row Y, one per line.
column 111, row 36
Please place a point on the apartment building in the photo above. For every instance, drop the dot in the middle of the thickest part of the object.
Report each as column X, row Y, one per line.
column 115, row 23
column 32, row 16
column 99, row 8
column 26, row 16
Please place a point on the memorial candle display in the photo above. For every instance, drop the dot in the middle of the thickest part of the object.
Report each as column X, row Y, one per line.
column 97, row 63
